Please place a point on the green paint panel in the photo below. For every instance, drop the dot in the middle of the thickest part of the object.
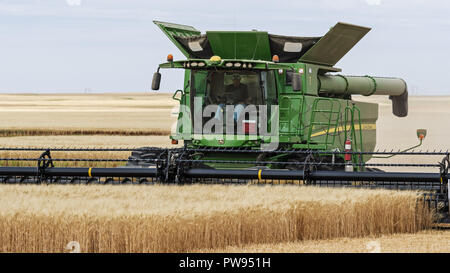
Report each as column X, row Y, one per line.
column 335, row 44
column 250, row 45
column 171, row 30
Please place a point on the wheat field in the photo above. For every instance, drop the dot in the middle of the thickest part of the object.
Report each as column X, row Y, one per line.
column 189, row 218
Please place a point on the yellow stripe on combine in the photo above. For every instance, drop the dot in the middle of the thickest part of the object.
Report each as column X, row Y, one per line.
column 90, row 172
column 364, row 126
column 259, row 175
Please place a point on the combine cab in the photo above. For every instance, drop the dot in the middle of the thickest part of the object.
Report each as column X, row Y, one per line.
column 263, row 108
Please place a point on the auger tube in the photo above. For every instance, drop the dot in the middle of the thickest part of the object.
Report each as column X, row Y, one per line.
column 395, row 88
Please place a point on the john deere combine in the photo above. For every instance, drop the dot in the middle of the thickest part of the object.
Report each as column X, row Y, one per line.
column 263, row 108
column 284, row 89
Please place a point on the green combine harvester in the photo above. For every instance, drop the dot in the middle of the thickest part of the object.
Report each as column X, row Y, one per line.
column 265, row 109
column 290, row 87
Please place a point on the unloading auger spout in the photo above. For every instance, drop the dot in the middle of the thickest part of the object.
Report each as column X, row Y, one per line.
column 395, row 88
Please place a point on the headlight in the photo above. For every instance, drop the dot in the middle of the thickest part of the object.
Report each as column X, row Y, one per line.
column 215, row 59
column 194, row 64
column 237, row 64
column 201, row 64
column 229, row 64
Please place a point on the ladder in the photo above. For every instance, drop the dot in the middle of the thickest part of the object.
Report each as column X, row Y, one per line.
column 326, row 123
column 357, row 141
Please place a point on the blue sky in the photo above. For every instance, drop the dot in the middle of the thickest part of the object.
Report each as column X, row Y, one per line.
column 63, row 46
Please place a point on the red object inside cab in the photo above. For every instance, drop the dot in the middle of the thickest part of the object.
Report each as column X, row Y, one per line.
column 249, row 126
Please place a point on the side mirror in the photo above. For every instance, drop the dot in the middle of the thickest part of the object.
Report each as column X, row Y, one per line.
column 421, row 133
column 156, row 80
column 296, row 82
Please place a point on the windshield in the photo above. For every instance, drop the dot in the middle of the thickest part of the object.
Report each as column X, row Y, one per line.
column 228, row 87
column 238, row 93
column 234, row 87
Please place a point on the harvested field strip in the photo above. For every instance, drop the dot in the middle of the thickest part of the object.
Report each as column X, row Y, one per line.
column 429, row 241
column 188, row 218
column 81, row 132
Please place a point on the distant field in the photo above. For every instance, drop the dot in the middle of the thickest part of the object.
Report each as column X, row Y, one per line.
column 145, row 112
column 85, row 120
column 81, row 132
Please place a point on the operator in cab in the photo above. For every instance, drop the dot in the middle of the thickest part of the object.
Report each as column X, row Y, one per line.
column 235, row 94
